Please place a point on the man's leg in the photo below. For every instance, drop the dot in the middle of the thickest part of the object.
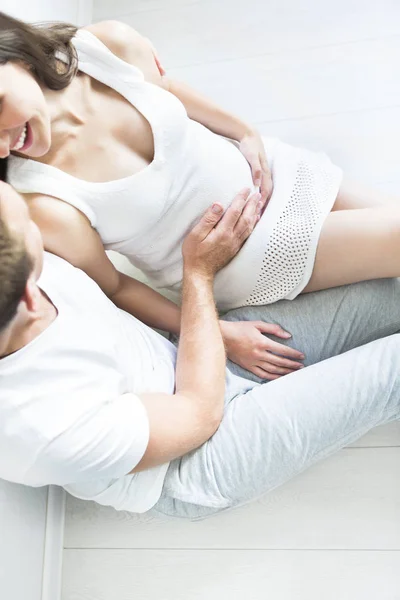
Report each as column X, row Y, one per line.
column 276, row 430
column 329, row 322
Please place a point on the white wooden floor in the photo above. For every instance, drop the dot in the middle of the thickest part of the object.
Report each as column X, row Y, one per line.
column 324, row 75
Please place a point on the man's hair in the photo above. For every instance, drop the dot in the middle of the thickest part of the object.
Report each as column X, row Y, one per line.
column 15, row 267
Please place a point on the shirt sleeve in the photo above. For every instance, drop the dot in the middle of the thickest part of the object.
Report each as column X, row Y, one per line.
column 106, row 442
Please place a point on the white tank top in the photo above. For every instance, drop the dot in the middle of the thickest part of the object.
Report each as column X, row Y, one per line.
column 147, row 215
column 69, row 410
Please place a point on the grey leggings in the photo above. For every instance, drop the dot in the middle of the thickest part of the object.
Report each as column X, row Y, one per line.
column 270, row 432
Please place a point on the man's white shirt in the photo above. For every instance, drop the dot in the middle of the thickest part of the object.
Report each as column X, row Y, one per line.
column 69, row 410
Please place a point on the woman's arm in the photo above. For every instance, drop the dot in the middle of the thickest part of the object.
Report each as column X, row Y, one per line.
column 130, row 46
column 205, row 111
column 146, row 304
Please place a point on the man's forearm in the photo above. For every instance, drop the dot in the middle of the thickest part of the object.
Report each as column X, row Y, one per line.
column 182, row 422
column 200, row 370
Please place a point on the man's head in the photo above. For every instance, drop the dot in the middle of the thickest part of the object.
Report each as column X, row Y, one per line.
column 21, row 257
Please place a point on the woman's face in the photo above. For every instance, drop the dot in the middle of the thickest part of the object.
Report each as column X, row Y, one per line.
column 24, row 114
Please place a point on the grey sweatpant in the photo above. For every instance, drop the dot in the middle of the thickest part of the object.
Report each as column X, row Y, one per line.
column 270, row 432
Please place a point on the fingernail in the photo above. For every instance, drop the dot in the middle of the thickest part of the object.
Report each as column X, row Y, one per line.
column 286, row 334
column 302, row 355
column 216, row 208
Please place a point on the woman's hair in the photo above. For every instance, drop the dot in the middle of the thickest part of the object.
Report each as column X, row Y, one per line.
column 36, row 46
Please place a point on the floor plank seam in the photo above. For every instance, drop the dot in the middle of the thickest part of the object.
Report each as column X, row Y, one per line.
column 284, row 51
column 332, row 114
column 235, row 549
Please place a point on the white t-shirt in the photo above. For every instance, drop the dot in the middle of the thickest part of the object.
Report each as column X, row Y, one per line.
column 69, row 413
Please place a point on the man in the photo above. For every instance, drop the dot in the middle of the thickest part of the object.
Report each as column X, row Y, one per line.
column 93, row 400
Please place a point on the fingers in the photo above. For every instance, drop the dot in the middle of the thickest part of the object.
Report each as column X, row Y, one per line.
column 275, row 370
column 215, row 213
column 279, row 370
column 157, row 59
column 267, row 370
column 277, row 348
column 256, row 169
column 263, row 374
column 272, row 329
column 276, row 366
column 234, row 212
column 266, row 181
column 279, row 361
column 266, row 189
column 208, row 221
column 249, row 217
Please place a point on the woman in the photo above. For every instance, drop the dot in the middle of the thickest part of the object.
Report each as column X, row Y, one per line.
column 111, row 154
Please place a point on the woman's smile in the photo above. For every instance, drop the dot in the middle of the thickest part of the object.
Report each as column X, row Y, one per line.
column 24, row 139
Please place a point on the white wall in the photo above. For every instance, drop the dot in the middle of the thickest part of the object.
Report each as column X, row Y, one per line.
column 74, row 11
column 22, row 534
column 23, row 510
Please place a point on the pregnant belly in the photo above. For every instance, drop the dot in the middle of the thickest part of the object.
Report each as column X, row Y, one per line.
column 218, row 172
column 208, row 169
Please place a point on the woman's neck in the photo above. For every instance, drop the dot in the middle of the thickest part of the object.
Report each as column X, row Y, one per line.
column 68, row 113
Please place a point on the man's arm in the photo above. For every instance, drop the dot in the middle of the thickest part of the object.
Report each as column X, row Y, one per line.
column 184, row 421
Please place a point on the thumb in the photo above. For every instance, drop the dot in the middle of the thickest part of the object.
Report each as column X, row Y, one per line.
column 272, row 329
column 208, row 221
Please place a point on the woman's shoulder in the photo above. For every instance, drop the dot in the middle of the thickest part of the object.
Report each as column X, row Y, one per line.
column 49, row 212
column 123, row 41
column 67, row 232
column 130, row 46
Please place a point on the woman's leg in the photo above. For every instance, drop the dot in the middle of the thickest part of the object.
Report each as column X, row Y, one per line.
column 357, row 245
column 352, row 195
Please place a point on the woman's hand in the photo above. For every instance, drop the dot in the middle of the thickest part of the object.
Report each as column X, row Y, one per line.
column 252, row 148
column 218, row 236
column 248, row 347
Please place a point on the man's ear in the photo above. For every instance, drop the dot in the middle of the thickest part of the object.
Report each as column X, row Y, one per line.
column 31, row 295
